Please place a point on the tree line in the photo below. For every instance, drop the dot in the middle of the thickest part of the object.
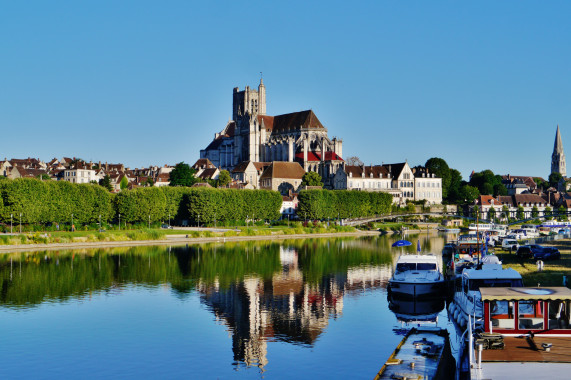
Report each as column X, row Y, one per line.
column 324, row 204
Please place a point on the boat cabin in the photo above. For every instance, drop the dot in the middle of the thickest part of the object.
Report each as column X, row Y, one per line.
column 416, row 262
column 521, row 310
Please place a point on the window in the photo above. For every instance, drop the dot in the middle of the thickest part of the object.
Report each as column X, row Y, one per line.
column 559, row 315
column 502, row 315
column 530, row 315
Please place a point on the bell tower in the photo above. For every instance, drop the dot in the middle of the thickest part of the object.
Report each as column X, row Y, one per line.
column 558, row 156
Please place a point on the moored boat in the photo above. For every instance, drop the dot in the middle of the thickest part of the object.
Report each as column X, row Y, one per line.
column 416, row 275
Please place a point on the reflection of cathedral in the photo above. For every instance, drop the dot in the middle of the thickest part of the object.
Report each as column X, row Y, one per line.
column 285, row 308
column 253, row 136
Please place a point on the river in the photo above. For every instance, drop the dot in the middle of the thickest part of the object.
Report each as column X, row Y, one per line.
column 290, row 309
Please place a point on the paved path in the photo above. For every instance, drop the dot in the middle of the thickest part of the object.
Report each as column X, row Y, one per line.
column 174, row 240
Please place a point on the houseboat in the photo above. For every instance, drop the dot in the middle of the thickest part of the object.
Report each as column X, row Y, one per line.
column 489, row 273
column 416, row 275
column 526, row 334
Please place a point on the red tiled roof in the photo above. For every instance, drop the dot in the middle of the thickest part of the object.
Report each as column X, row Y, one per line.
column 280, row 169
column 316, row 156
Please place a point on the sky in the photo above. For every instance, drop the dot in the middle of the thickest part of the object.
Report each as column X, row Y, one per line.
column 482, row 85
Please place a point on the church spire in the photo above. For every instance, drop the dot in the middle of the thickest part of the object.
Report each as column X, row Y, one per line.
column 558, row 156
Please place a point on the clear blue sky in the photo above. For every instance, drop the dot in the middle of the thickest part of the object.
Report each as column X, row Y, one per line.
column 482, row 85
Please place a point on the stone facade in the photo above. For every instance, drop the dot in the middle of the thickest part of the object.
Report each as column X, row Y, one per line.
column 558, row 156
column 253, row 136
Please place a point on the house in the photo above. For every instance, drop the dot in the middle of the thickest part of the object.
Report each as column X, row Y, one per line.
column 282, row 176
column 427, row 187
column 210, row 174
column 249, row 172
column 518, row 184
column 289, row 206
column 364, row 178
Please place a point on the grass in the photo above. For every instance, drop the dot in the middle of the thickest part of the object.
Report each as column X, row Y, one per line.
column 553, row 271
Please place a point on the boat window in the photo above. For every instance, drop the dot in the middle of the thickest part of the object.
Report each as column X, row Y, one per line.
column 494, row 283
column 402, row 267
column 530, row 314
column 502, row 315
column 559, row 315
column 426, row 266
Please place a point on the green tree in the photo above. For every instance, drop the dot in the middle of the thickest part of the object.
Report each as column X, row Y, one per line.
column 440, row 168
column 44, row 177
column 492, row 214
column 182, row 175
column 554, row 179
column 520, row 214
column 470, row 193
column 562, row 212
column 311, row 179
column 548, row 211
column 106, row 183
column 455, row 188
column 505, row 212
column 224, row 178
column 124, row 183
column 534, row 212
column 149, row 182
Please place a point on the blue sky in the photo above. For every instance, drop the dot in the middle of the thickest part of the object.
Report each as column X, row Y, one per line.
column 482, row 84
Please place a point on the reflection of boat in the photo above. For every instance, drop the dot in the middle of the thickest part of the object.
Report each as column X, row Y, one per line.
column 416, row 275
column 527, row 326
column 467, row 298
column 422, row 354
column 448, row 230
column 449, row 249
column 416, row 310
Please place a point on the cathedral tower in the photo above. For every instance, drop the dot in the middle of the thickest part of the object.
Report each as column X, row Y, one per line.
column 558, row 157
column 249, row 100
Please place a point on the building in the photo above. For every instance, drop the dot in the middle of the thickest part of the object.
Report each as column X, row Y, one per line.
column 427, row 187
column 558, row 156
column 248, row 172
column 251, row 135
column 284, row 177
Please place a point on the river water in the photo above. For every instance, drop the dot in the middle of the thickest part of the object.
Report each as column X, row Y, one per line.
column 292, row 309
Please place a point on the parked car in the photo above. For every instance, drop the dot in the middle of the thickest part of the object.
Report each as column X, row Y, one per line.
column 511, row 244
column 547, row 253
column 524, row 252
column 166, row 226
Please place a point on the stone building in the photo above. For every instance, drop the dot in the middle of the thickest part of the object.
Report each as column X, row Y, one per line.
column 251, row 135
column 558, row 156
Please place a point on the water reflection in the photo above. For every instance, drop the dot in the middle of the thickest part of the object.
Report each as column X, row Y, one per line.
column 425, row 309
column 261, row 291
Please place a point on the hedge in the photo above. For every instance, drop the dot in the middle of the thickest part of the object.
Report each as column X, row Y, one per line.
column 323, row 204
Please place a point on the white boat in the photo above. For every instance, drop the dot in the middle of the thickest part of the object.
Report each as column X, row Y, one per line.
column 530, row 230
column 416, row 275
column 467, row 298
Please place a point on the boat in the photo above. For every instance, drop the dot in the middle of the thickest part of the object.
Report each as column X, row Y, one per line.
column 424, row 353
column 446, row 230
column 489, row 273
column 526, row 334
column 416, row 275
column 417, row 310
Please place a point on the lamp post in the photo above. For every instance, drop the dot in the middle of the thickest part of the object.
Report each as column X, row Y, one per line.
column 72, row 223
column 10, row 223
column 119, row 222
column 149, row 221
column 20, row 222
column 99, row 222
column 198, row 220
column 169, row 219
column 214, row 220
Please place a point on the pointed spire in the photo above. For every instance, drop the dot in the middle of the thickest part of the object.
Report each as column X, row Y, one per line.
column 558, row 147
column 558, row 157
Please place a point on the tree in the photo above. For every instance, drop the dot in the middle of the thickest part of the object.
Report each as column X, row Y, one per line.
column 548, row 211
column 149, row 182
column 44, row 177
column 470, row 193
column 106, row 183
column 520, row 214
column 311, row 179
column 440, row 168
column 455, row 188
column 554, row 179
column 182, row 175
column 223, row 178
column 354, row 161
column 534, row 212
column 561, row 212
column 492, row 214
column 505, row 212
column 500, row 189
column 124, row 183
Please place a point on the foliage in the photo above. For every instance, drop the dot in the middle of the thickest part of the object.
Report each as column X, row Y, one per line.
column 124, row 183
column 323, row 204
column 224, row 178
column 487, row 183
column 554, row 179
column 106, row 183
column 492, row 213
column 182, row 175
column 354, row 161
column 311, row 179
column 548, row 211
column 455, row 188
column 520, row 214
column 470, row 193
column 440, row 168
column 534, row 212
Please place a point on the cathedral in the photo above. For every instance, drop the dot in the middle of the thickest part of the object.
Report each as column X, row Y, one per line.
column 253, row 136
column 558, row 157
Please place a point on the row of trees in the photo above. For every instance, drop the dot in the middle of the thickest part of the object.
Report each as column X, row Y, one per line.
column 323, row 204
column 41, row 202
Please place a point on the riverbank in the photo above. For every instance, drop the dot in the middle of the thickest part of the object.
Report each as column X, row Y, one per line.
column 178, row 239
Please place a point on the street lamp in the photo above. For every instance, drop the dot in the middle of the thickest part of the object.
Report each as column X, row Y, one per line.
column 72, row 223
column 119, row 222
column 198, row 220
column 99, row 222
column 169, row 219
column 214, row 220
column 149, row 221
column 20, row 222
column 10, row 223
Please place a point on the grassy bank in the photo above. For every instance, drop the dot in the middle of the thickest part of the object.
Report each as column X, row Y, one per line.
column 65, row 237
column 553, row 271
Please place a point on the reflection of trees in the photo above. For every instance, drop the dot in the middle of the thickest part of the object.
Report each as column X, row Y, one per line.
column 262, row 290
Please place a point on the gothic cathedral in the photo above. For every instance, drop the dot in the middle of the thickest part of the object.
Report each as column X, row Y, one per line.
column 558, row 157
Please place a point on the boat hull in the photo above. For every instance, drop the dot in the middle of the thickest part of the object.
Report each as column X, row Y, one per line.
column 416, row 289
